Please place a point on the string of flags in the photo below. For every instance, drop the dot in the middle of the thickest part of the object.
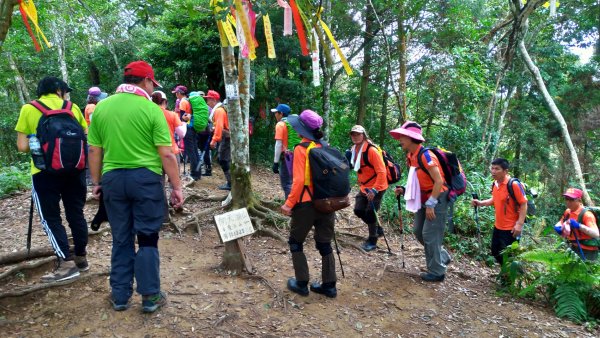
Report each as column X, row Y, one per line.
column 29, row 13
column 310, row 27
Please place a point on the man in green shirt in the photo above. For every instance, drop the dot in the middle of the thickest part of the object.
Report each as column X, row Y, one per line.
column 130, row 143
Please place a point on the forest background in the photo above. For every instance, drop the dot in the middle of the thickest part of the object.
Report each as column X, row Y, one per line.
column 451, row 65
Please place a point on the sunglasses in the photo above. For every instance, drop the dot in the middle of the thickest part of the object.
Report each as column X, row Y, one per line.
column 569, row 199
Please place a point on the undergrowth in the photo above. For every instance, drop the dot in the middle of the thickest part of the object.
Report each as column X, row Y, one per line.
column 14, row 178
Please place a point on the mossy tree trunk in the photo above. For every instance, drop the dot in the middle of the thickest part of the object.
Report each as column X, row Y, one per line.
column 6, row 10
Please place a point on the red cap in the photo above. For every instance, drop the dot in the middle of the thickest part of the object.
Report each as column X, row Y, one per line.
column 180, row 89
column 573, row 193
column 212, row 95
column 141, row 69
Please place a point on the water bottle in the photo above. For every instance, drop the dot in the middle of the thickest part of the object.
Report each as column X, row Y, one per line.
column 35, row 148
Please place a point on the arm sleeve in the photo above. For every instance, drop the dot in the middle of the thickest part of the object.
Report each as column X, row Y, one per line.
column 278, row 145
column 298, row 177
column 219, row 118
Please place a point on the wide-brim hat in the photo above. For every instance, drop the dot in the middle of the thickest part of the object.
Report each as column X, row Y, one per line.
column 306, row 123
column 410, row 129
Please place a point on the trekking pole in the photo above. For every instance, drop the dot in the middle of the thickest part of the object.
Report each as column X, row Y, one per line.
column 337, row 249
column 578, row 245
column 30, row 226
column 379, row 225
column 476, row 213
column 401, row 230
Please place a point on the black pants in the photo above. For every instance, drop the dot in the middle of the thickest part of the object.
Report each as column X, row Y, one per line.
column 204, row 146
column 191, row 152
column 47, row 191
column 500, row 240
column 363, row 209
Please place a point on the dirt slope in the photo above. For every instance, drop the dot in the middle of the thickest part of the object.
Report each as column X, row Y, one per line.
column 377, row 297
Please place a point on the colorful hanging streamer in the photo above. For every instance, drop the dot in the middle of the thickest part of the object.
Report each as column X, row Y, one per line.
column 28, row 10
column 226, row 33
column 287, row 17
column 269, row 37
column 334, row 43
column 242, row 15
column 299, row 27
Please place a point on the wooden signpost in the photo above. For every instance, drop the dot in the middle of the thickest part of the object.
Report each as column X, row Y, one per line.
column 234, row 225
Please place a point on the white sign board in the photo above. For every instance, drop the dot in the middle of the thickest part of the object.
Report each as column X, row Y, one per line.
column 234, row 224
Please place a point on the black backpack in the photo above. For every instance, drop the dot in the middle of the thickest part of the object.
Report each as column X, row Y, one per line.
column 530, row 196
column 330, row 175
column 393, row 170
column 62, row 139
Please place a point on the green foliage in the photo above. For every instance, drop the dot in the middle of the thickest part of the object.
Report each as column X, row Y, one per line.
column 13, row 179
column 567, row 303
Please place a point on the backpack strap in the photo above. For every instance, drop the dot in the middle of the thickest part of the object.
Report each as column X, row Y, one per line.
column 511, row 191
column 365, row 158
column 47, row 111
column 582, row 213
column 420, row 161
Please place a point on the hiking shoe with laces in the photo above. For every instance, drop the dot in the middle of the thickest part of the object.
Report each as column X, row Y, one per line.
column 81, row 263
column 118, row 306
column 152, row 303
column 64, row 270
column 326, row 289
column 370, row 244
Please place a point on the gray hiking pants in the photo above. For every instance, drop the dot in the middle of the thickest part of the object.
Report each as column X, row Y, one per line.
column 431, row 235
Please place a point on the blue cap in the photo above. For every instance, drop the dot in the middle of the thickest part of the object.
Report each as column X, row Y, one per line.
column 282, row 108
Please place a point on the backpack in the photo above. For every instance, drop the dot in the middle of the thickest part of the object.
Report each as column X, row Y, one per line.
column 62, row 139
column 199, row 113
column 329, row 172
column 455, row 177
column 528, row 194
column 596, row 212
column 393, row 170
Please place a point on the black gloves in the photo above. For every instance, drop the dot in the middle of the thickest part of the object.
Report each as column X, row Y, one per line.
column 275, row 168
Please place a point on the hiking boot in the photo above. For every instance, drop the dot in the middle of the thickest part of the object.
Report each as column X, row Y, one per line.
column 326, row 289
column 119, row 306
column 207, row 171
column 225, row 186
column 448, row 261
column 81, row 263
column 429, row 277
column 64, row 270
column 300, row 288
column 379, row 231
column 152, row 303
column 370, row 244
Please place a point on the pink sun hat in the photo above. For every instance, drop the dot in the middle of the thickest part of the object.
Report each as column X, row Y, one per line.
column 410, row 129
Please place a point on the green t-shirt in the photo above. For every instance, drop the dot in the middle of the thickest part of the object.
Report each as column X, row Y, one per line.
column 30, row 116
column 128, row 128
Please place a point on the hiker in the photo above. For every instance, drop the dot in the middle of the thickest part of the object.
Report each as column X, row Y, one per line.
column 190, row 142
column 581, row 230
column 95, row 95
column 285, row 141
column 204, row 138
column 427, row 196
column 510, row 212
column 48, row 188
column 221, row 135
column 304, row 215
column 130, row 143
column 367, row 161
column 176, row 127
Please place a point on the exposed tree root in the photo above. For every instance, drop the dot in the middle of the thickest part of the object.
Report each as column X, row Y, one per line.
column 351, row 244
column 25, row 266
column 38, row 287
column 197, row 216
column 274, row 206
column 350, row 234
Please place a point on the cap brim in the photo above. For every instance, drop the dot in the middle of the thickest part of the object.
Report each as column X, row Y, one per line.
column 274, row 110
column 102, row 96
column 156, row 84
column 571, row 196
column 299, row 127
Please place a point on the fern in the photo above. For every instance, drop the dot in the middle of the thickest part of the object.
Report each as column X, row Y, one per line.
column 593, row 303
column 568, row 304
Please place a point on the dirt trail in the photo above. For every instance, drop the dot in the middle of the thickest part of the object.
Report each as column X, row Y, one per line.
column 376, row 298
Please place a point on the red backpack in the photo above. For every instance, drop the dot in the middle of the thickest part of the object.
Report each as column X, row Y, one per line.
column 393, row 170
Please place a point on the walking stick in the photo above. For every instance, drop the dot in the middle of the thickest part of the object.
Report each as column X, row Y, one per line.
column 578, row 245
column 476, row 212
column 379, row 225
column 401, row 230
column 30, row 226
column 337, row 249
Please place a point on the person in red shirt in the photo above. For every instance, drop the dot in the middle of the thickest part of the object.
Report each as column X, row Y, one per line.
column 432, row 206
column 299, row 206
column 367, row 161
column 581, row 231
column 221, row 135
column 510, row 213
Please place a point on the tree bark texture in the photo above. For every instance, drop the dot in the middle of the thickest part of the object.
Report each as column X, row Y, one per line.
column 327, row 74
column 19, row 81
column 240, row 151
column 511, row 92
column 535, row 72
column 6, row 10
column 402, row 44
column 59, row 42
column 366, row 67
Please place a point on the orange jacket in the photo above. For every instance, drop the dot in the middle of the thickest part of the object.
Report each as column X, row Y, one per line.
column 375, row 175
column 220, row 122
column 296, row 196
column 588, row 219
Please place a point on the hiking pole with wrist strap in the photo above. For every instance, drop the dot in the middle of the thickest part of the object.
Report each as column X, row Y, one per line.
column 30, row 228
column 401, row 230
column 379, row 225
column 337, row 249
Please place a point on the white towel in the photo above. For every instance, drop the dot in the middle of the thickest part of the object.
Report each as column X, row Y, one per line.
column 356, row 157
column 412, row 195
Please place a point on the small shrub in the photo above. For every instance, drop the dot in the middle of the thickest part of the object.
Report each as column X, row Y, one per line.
column 13, row 179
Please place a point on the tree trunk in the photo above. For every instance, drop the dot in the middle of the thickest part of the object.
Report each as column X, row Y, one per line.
column 19, row 81
column 240, row 152
column 232, row 257
column 59, row 40
column 384, row 107
column 6, row 10
column 366, row 67
column 505, row 104
column 403, row 59
column 535, row 72
column 327, row 74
